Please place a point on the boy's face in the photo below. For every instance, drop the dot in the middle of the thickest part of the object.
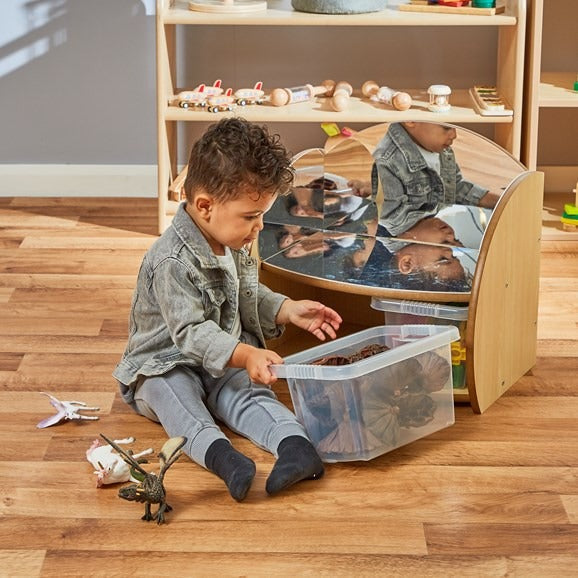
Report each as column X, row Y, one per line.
column 432, row 230
column 232, row 224
column 437, row 260
column 431, row 136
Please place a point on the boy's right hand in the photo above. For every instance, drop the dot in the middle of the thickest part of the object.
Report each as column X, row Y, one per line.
column 256, row 361
column 258, row 366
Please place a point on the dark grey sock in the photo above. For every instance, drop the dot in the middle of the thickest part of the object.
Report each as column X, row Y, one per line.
column 235, row 469
column 298, row 460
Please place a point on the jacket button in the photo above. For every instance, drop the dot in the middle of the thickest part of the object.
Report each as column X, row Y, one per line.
column 252, row 320
column 248, row 293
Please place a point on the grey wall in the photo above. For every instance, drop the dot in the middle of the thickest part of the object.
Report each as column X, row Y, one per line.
column 77, row 82
column 77, row 77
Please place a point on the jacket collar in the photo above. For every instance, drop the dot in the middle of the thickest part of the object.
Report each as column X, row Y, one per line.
column 187, row 230
column 407, row 147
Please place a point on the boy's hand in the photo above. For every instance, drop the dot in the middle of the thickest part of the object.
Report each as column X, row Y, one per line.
column 312, row 316
column 256, row 361
column 258, row 366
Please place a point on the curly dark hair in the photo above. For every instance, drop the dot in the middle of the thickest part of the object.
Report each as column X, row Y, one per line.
column 234, row 157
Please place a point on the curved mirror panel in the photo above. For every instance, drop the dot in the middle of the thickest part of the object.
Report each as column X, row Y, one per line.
column 401, row 206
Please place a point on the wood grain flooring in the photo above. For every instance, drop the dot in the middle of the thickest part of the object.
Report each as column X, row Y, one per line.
column 494, row 495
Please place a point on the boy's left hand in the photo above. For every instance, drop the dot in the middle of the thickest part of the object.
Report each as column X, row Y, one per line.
column 312, row 316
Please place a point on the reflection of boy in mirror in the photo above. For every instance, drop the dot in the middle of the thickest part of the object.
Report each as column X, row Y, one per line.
column 432, row 230
column 431, row 260
column 413, row 266
column 316, row 198
column 419, row 175
column 305, row 202
column 302, row 242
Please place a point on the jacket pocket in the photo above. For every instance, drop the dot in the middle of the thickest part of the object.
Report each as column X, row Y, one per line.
column 214, row 296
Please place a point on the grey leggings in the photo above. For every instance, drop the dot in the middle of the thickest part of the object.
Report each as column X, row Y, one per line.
column 184, row 402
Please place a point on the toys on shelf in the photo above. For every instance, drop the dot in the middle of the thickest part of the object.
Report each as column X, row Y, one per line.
column 569, row 217
column 454, row 3
column 439, row 98
column 394, row 98
column 255, row 95
column 221, row 102
column 228, row 6
column 284, row 96
column 213, row 90
column 477, row 8
column 340, row 96
column 191, row 98
column 488, row 102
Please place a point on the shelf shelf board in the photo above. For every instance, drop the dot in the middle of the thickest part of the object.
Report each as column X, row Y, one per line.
column 359, row 110
column 280, row 13
column 461, row 395
column 556, row 90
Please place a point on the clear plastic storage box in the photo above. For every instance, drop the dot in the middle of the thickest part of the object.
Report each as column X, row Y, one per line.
column 413, row 312
column 398, row 391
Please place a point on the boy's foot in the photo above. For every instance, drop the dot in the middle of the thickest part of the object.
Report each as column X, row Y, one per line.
column 235, row 469
column 298, row 460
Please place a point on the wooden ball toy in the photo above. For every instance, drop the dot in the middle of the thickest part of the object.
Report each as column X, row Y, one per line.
column 369, row 88
column 394, row 98
column 284, row 96
column 341, row 94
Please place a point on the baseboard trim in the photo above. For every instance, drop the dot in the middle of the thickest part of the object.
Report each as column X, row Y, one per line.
column 78, row 180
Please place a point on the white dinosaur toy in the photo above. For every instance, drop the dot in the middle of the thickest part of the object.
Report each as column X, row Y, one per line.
column 66, row 410
column 110, row 468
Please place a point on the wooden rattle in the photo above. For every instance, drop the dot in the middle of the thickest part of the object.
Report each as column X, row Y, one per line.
column 284, row 96
column 395, row 98
column 340, row 96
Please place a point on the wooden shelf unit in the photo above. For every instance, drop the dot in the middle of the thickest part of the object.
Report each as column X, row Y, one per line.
column 550, row 89
column 509, row 76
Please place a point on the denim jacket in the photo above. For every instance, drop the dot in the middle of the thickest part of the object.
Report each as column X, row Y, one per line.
column 184, row 307
column 411, row 189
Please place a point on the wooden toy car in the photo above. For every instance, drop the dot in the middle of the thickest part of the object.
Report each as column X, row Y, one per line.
column 222, row 102
column 214, row 90
column 254, row 95
column 192, row 98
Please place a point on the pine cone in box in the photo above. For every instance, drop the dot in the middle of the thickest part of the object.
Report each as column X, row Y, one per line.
column 381, row 421
column 415, row 409
column 367, row 351
column 435, row 371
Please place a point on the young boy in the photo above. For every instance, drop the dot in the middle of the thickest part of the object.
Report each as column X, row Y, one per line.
column 199, row 317
column 419, row 175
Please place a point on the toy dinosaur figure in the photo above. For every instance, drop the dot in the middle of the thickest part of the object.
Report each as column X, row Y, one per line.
column 150, row 489
column 110, row 468
column 66, row 410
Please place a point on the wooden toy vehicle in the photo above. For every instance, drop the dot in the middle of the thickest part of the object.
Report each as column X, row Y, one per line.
column 192, row 98
column 222, row 102
column 214, row 90
column 254, row 95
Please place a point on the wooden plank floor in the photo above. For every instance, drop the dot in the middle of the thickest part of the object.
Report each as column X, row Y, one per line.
column 494, row 495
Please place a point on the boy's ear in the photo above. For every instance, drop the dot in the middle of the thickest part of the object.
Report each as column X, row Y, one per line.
column 203, row 205
column 405, row 264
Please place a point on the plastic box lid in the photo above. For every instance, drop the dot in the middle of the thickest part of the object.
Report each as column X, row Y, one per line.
column 413, row 339
column 438, row 310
